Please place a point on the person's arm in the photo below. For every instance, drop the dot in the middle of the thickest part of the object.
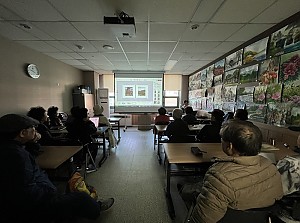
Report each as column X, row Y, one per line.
column 212, row 202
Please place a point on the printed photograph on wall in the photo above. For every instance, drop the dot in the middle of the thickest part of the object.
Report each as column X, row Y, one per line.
column 202, row 92
column 260, row 94
column 218, row 105
column 203, row 78
column 256, row 51
column 257, row 112
column 234, row 60
column 209, row 76
column 240, row 105
column 245, row 94
column 128, row 91
column 285, row 40
column 219, row 67
column 268, row 71
column 211, row 92
column 231, row 76
column 194, row 81
column 295, row 116
column 291, row 93
column 276, row 114
column 203, row 103
column 229, row 93
column 209, row 104
column 228, row 106
column 218, row 93
column 290, row 68
column 248, row 74
column 273, row 93
column 141, row 91
column 218, row 80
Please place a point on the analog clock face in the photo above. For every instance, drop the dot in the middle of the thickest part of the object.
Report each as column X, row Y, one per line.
column 33, row 71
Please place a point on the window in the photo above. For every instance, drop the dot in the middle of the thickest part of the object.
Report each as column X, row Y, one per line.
column 171, row 99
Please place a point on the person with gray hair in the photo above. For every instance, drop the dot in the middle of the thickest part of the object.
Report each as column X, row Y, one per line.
column 230, row 182
column 178, row 130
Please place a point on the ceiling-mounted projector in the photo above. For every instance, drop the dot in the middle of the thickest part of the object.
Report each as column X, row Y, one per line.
column 121, row 26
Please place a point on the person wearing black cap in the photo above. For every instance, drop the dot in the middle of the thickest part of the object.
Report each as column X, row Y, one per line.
column 210, row 133
column 26, row 193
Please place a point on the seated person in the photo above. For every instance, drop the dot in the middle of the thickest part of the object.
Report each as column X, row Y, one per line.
column 39, row 114
column 241, row 114
column 103, row 121
column 28, row 191
column 184, row 105
column 210, row 133
column 189, row 116
column 54, row 120
column 178, row 130
column 230, row 182
column 162, row 118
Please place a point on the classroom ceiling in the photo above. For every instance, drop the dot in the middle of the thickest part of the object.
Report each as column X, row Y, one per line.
column 73, row 31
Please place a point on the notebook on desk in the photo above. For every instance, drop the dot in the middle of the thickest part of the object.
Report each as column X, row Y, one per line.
column 95, row 120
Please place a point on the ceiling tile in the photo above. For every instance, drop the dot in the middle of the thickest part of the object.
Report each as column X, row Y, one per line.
column 42, row 10
column 282, row 9
column 75, row 56
column 73, row 62
column 14, row 33
column 159, row 56
column 193, row 47
column 168, row 32
column 115, row 56
column 78, row 10
column 162, row 47
column 98, row 44
column 249, row 31
column 60, row 46
column 59, row 30
column 137, row 56
column 230, row 11
column 94, row 30
column 135, row 47
column 218, row 32
column 87, row 47
column 93, row 56
column 60, row 56
column 226, row 47
column 206, row 10
column 39, row 46
column 193, row 34
column 171, row 10
column 8, row 15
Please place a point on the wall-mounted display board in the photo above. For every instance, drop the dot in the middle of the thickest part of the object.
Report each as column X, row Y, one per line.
column 263, row 77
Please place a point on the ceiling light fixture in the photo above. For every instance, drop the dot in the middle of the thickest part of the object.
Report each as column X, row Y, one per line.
column 108, row 47
column 194, row 27
column 170, row 64
column 25, row 26
column 79, row 47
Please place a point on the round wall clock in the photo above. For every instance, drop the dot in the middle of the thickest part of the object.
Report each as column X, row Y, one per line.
column 33, row 71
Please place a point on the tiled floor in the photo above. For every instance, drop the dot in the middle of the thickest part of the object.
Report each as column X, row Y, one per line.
column 134, row 178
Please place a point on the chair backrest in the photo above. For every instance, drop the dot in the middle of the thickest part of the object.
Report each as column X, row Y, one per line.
column 95, row 120
column 182, row 139
column 257, row 215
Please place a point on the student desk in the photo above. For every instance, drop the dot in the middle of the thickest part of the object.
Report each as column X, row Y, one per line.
column 158, row 131
column 197, row 127
column 180, row 154
column 53, row 157
column 116, row 126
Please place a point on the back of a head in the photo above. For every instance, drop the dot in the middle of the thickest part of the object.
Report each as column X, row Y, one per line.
column 83, row 113
column 246, row 138
column 188, row 110
column 37, row 113
column 241, row 114
column 217, row 116
column 162, row 111
column 52, row 111
column 177, row 113
column 98, row 109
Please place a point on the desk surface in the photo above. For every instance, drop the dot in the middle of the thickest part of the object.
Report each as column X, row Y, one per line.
column 180, row 153
column 53, row 156
column 197, row 127
column 114, row 119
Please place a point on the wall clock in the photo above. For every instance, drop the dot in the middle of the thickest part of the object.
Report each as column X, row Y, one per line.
column 33, row 71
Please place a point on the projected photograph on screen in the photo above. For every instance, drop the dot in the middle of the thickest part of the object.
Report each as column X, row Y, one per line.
column 138, row 94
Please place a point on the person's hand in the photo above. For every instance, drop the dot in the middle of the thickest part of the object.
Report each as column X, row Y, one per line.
column 37, row 136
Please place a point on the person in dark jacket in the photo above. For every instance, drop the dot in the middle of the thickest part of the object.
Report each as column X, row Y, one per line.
column 39, row 114
column 54, row 121
column 189, row 116
column 26, row 193
column 178, row 130
column 210, row 133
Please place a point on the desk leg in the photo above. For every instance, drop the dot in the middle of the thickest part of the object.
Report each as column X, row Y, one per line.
column 119, row 133
column 168, row 191
column 104, row 156
column 154, row 140
column 158, row 149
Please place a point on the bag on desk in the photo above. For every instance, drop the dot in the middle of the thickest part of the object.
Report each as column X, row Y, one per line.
column 77, row 184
